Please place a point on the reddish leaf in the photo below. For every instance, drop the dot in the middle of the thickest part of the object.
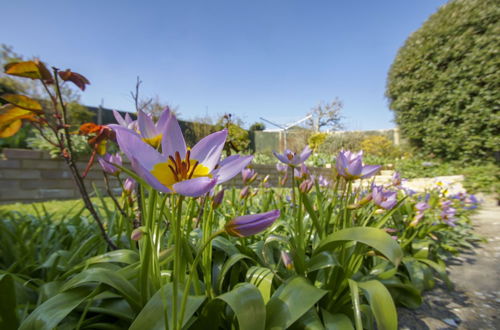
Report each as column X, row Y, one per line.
column 89, row 128
column 22, row 101
column 26, row 69
column 76, row 78
column 44, row 72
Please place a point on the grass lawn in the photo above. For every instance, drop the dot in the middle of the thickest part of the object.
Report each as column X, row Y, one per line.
column 59, row 209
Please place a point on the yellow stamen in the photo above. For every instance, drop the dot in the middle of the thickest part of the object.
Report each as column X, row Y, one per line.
column 176, row 169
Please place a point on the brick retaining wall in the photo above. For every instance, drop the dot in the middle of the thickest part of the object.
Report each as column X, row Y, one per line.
column 31, row 175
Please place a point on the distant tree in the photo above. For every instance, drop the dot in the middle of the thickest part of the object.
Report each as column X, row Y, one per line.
column 444, row 83
column 257, row 126
column 326, row 115
column 237, row 139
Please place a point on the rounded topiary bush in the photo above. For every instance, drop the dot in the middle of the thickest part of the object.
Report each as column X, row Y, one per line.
column 444, row 84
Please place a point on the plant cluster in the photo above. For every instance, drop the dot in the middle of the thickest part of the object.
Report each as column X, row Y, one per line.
column 179, row 251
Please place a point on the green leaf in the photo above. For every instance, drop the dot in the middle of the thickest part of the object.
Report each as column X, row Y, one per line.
column 308, row 321
column 118, row 256
column 247, row 304
column 322, row 260
column 262, row 278
column 292, row 300
column 152, row 316
column 353, row 287
column 336, row 321
column 373, row 237
column 48, row 315
column 8, row 303
column 108, row 277
column 381, row 304
column 235, row 258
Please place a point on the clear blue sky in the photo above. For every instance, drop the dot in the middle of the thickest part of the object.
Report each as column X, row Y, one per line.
column 271, row 58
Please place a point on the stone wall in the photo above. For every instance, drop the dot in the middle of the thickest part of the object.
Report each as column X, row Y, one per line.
column 30, row 176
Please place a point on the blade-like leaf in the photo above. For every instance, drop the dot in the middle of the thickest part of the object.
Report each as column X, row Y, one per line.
column 8, row 303
column 108, row 277
column 262, row 278
column 353, row 287
column 381, row 304
column 336, row 321
column 373, row 237
column 322, row 260
column 292, row 300
column 246, row 302
column 48, row 315
column 152, row 316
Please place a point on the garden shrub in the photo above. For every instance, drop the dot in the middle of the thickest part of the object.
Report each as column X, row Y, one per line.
column 443, row 85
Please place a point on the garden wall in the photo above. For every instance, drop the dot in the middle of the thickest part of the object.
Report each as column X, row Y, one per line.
column 31, row 175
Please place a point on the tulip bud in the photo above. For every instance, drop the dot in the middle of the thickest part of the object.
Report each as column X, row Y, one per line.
column 248, row 225
column 137, row 233
column 217, row 199
column 287, row 260
column 306, row 186
column 245, row 192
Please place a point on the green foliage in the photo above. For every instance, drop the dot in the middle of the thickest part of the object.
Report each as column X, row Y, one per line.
column 257, row 126
column 443, row 85
column 316, row 140
column 19, row 140
column 482, row 178
column 238, row 139
column 37, row 142
column 380, row 146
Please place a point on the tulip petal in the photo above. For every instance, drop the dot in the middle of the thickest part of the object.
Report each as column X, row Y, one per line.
column 162, row 121
column 119, row 119
column 146, row 125
column 231, row 168
column 173, row 140
column 195, row 187
column 281, row 157
column 147, row 176
column 369, row 170
column 208, row 150
column 252, row 224
column 306, row 153
column 132, row 145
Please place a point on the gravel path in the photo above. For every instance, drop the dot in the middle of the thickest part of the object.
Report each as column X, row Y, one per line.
column 475, row 301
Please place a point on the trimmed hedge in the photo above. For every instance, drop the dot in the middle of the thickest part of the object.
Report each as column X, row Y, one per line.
column 444, row 83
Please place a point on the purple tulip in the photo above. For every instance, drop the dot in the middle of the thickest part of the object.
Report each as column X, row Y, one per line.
column 177, row 169
column 129, row 185
column 245, row 192
column 323, row 182
column 248, row 225
column 127, row 122
column 281, row 168
column 350, row 166
column 147, row 129
column 306, row 186
column 248, row 175
column 448, row 216
column 217, row 199
column 422, row 206
column 287, row 260
column 397, row 181
column 293, row 159
column 302, row 172
column 107, row 160
column 384, row 198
